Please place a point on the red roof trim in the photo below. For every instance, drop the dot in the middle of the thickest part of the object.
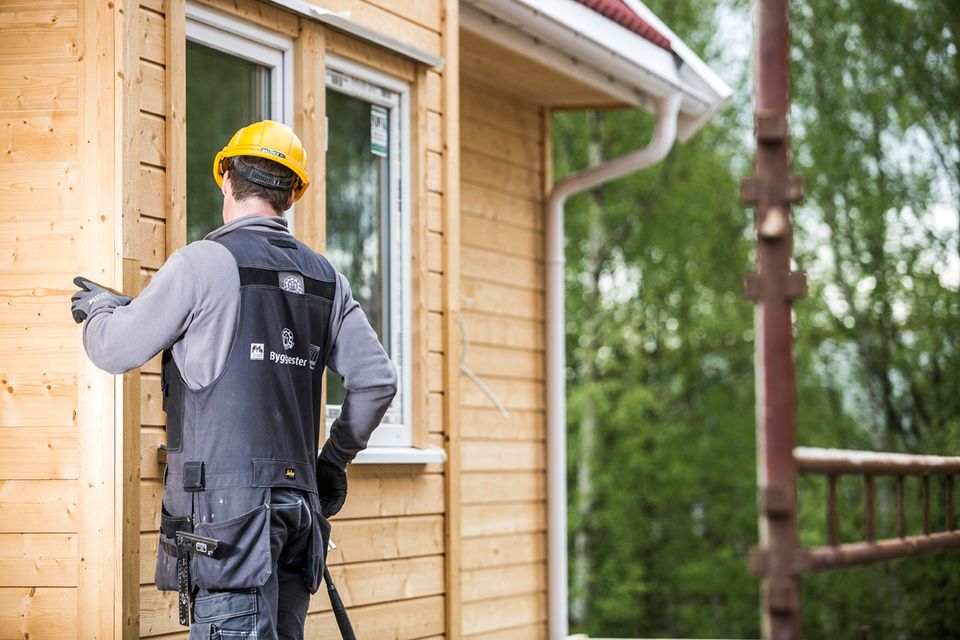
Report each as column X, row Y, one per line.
column 623, row 15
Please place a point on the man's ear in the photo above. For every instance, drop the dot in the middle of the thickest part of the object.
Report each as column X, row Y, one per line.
column 225, row 183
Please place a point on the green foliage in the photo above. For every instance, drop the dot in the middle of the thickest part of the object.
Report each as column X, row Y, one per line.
column 661, row 413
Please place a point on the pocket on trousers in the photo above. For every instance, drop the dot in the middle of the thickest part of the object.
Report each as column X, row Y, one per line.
column 224, row 616
column 317, row 555
column 242, row 560
column 165, row 576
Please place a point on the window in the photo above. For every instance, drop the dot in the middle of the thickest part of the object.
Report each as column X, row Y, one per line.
column 367, row 219
column 237, row 73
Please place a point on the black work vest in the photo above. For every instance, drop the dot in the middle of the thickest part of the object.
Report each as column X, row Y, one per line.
column 257, row 425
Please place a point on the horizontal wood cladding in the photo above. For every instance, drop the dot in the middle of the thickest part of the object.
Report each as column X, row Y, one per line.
column 502, row 519
column 532, row 631
column 43, row 242
column 38, row 136
column 151, row 138
column 151, row 40
column 492, row 206
column 492, row 265
column 402, row 620
column 39, row 453
column 39, row 188
column 486, row 423
column 371, row 55
column 153, row 90
column 360, row 585
column 504, row 549
column 420, row 618
column 494, row 614
column 503, row 458
column 517, row 362
column 400, row 24
column 38, row 559
column 371, row 496
column 32, row 506
column 38, row 612
column 260, row 13
column 43, row 86
column 501, row 234
column 482, row 584
column 493, row 140
column 36, row 32
column 502, row 300
column 502, row 486
column 368, row 540
column 493, row 173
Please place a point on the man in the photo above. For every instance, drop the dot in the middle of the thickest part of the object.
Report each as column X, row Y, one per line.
column 247, row 319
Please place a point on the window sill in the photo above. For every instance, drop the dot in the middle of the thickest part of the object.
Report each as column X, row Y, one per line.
column 401, row 455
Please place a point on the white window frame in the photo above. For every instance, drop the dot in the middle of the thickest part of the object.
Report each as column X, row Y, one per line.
column 392, row 442
column 350, row 78
column 248, row 41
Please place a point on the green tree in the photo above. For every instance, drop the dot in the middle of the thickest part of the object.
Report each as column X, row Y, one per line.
column 660, row 379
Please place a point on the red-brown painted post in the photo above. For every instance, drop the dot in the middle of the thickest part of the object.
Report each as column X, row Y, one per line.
column 774, row 287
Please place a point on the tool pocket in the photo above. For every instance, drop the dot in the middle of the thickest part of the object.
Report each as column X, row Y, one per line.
column 317, row 554
column 166, row 573
column 224, row 616
column 242, row 559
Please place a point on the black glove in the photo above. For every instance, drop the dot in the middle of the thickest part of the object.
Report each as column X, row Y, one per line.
column 92, row 296
column 331, row 487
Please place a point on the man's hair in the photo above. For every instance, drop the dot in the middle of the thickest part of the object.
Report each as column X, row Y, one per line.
column 243, row 189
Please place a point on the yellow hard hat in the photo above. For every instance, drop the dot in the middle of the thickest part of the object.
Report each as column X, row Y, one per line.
column 273, row 141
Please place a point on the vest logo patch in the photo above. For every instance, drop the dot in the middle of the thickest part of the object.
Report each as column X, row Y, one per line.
column 292, row 282
column 290, row 473
column 256, row 351
column 314, row 355
column 287, row 337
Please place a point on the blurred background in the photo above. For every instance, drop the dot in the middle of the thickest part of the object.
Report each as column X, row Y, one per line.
column 661, row 415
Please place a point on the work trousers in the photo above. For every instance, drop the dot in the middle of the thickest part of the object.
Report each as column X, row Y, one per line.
column 277, row 610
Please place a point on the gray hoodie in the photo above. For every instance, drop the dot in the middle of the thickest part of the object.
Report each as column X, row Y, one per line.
column 193, row 305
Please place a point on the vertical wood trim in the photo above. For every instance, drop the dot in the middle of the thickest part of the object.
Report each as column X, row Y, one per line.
column 128, row 480
column 546, row 132
column 176, row 126
column 126, row 623
column 309, row 109
column 99, row 240
column 419, row 258
column 450, row 33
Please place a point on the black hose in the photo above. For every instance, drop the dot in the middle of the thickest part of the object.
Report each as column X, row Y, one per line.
column 339, row 611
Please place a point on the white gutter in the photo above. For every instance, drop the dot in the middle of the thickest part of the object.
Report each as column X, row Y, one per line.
column 667, row 111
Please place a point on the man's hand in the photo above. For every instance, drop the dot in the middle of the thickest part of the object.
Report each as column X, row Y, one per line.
column 92, row 296
column 331, row 487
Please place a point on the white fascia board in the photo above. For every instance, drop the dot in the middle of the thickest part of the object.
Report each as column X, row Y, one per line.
column 341, row 21
column 539, row 50
column 401, row 455
column 590, row 39
column 705, row 73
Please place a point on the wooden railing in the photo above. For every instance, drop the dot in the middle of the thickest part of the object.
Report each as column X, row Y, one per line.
column 834, row 463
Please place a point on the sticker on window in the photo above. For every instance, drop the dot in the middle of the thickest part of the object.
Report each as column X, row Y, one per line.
column 378, row 131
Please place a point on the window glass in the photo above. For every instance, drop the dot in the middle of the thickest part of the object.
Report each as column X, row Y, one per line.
column 224, row 93
column 358, row 216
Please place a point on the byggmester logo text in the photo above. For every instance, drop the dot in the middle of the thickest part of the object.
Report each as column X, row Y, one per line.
column 282, row 358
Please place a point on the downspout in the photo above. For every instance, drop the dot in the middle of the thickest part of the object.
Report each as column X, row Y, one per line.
column 667, row 110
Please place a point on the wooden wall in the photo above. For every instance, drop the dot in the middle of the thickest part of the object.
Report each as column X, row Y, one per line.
column 390, row 565
column 40, row 201
column 503, row 480
column 426, row 552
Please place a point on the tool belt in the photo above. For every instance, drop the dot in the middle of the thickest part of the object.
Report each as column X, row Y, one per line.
column 186, row 543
